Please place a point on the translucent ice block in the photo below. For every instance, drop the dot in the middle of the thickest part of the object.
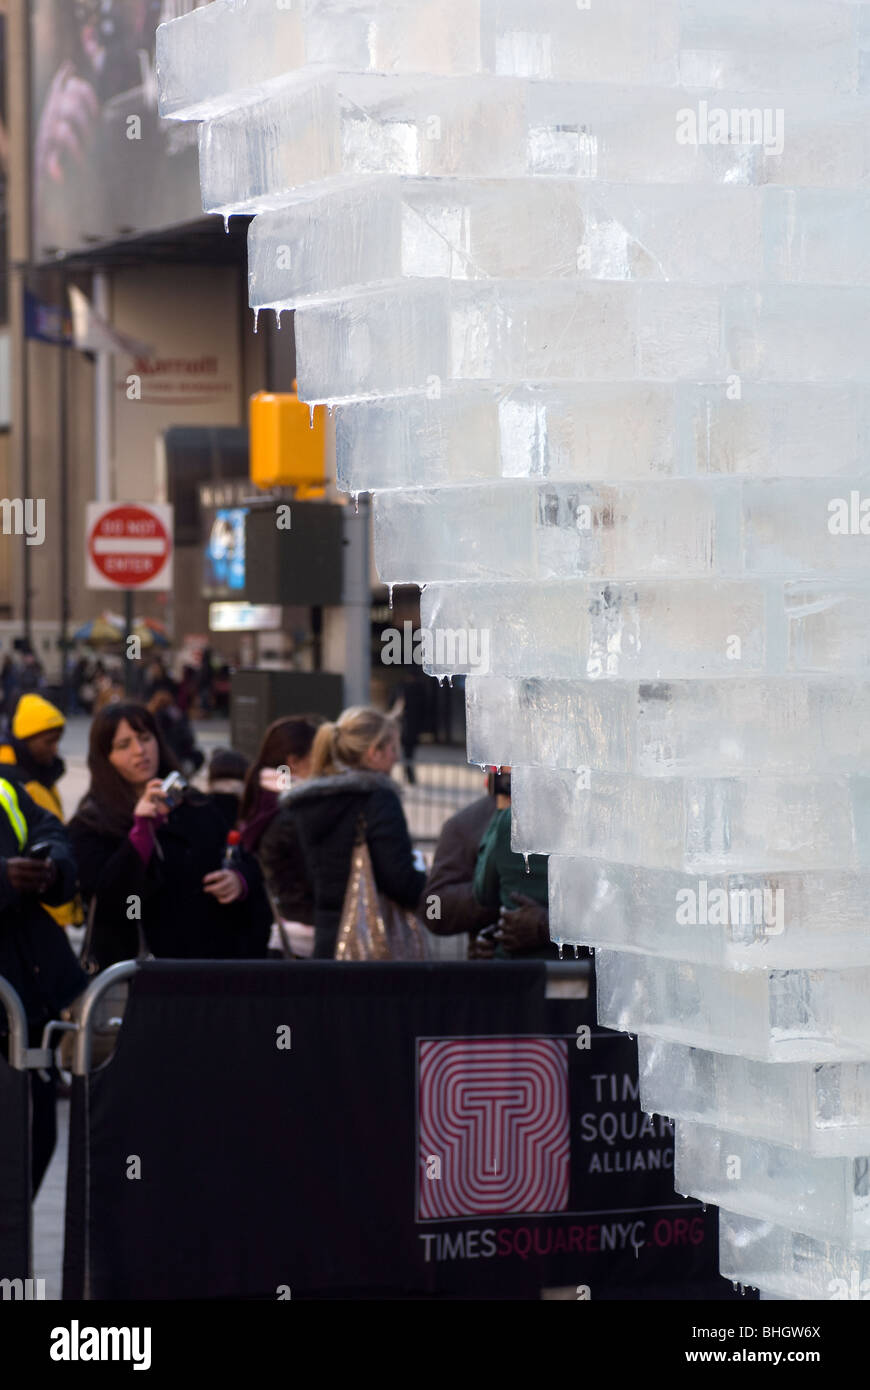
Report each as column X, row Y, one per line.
column 452, row 435
column 828, row 1198
column 799, row 45
column 817, row 333
column 391, row 36
column 547, row 530
column 462, row 433
column 816, row 236
column 630, row 135
column 788, row 1263
column 792, row 920
column 507, row 330
column 470, row 229
column 250, row 158
column 591, row 630
column 325, row 242
column 791, row 724
column 565, row 431
column 317, row 125
column 219, row 56
column 724, row 527
column 658, row 630
column 774, row 429
column 827, row 626
column 768, row 1015
column 623, row 41
column 702, row 825
column 823, row 1109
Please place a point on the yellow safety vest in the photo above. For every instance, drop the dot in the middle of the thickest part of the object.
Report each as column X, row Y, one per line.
column 9, row 802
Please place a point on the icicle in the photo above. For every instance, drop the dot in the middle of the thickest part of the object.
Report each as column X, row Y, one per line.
column 227, row 216
column 576, row 951
column 311, row 410
column 526, row 862
column 450, row 681
column 256, row 319
column 390, row 588
column 561, row 948
column 355, row 496
column 278, row 313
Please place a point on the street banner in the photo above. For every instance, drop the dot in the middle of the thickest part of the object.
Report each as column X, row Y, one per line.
column 389, row 1131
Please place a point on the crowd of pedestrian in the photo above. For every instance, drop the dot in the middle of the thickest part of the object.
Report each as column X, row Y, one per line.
column 261, row 860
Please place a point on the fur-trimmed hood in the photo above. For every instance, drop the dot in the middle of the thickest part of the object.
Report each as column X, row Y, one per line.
column 340, row 784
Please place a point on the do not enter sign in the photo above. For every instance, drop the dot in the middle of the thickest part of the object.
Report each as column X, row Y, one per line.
column 129, row 546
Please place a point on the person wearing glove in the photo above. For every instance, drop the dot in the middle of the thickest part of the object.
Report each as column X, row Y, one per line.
column 514, row 890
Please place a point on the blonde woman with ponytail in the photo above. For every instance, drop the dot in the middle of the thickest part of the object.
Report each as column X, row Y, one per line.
column 351, row 762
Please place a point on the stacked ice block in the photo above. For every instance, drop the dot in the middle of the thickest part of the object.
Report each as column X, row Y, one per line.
column 587, row 286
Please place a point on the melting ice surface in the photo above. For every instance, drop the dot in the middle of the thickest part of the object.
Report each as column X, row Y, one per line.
column 597, row 341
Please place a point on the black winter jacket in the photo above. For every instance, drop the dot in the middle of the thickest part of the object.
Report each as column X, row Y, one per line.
column 35, row 956
column 179, row 920
column 322, row 815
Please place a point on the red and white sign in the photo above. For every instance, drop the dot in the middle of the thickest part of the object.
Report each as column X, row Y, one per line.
column 129, row 545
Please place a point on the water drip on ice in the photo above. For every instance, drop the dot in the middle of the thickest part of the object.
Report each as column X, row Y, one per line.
column 256, row 319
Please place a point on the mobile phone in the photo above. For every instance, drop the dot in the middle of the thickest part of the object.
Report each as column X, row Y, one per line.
column 39, row 851
column 489, row 932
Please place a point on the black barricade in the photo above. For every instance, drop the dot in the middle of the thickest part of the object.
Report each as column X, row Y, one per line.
column 389, row 1131
column 14, row 1174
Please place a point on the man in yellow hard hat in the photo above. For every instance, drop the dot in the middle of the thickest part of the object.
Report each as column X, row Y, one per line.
column 32, row 759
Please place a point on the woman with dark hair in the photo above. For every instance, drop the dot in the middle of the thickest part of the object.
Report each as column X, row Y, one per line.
column 158, row 872
column 284, row 758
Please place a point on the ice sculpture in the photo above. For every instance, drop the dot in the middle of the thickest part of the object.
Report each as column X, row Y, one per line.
column 587, row 286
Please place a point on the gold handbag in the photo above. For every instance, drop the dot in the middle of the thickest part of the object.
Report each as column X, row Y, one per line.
column 372, row 926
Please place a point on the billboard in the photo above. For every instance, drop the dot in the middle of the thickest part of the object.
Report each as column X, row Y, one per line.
column 224, row 554
column 4, row 159
column 105, row 165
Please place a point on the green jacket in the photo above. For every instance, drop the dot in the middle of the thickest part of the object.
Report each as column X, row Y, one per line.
column 500, row 872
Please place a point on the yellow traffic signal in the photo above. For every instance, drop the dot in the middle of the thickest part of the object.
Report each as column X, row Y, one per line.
column 288, row 446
